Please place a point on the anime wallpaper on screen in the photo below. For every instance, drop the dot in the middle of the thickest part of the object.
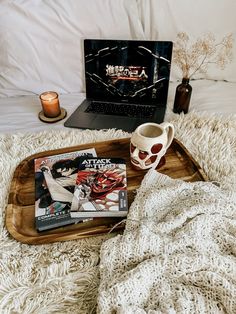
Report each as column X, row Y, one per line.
column 126, row 70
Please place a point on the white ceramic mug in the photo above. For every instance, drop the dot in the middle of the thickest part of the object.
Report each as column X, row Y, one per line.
column 149, row 143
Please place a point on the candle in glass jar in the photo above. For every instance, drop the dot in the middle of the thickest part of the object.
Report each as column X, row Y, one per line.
column 50, row 104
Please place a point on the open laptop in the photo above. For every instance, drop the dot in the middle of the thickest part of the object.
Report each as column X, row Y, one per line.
column 126, row 84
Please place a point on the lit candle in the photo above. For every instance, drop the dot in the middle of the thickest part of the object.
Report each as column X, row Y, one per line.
column 50, row 104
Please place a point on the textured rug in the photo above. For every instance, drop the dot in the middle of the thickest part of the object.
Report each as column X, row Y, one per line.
column 64, row 277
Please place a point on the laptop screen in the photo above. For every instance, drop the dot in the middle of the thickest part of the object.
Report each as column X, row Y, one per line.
column 127, row 70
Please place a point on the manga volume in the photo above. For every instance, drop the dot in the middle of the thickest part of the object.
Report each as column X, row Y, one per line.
column 55, row 178
column 101, row 188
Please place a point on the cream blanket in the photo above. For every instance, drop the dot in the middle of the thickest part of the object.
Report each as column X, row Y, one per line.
column 177, row 254
column 63, row 277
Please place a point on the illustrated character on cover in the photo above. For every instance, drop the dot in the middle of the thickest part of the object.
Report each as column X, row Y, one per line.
column 56, row 184
column 95, row 185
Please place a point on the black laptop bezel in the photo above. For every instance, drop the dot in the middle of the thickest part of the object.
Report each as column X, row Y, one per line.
column 83, row 120
column 100, row 44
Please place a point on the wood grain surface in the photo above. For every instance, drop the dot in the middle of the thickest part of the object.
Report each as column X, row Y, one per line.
column 20, row 209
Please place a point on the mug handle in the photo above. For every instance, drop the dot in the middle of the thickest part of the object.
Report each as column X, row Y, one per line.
column 169, row 128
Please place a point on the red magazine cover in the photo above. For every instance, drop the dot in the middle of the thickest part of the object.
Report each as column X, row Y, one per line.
column 101, row 188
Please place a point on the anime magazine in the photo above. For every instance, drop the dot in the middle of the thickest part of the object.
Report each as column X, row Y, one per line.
column 55, row 178
column 101, row 188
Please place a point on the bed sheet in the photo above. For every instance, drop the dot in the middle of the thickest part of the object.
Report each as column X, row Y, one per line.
column 20, row 114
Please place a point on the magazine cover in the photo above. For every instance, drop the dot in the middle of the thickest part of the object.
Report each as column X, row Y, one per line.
column 101, row 188
column 55, row 178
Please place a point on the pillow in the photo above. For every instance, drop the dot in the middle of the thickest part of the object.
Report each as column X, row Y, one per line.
column 42, row 41
column 196, row 18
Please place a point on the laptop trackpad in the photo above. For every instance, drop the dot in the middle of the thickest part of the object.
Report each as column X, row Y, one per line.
column 80, row 119
column 109, row 122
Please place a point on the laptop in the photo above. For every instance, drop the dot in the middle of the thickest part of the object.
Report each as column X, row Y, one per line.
column 126, row 84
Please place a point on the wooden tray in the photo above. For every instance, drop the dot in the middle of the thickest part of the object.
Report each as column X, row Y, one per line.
column 20, row 208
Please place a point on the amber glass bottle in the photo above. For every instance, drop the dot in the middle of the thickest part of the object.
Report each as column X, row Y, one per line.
column 182, row 96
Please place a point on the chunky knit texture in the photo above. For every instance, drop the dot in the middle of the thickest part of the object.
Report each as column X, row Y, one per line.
column 63, row 277
column 177, row 254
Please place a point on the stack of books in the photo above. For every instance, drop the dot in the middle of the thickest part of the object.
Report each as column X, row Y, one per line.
column 78, row 186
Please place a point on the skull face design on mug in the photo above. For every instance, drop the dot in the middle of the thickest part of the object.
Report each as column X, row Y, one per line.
column 149, row 143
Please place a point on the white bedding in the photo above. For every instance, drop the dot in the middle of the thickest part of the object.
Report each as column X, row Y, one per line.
column 41, row 49
column 41, row 41
column 20, row 113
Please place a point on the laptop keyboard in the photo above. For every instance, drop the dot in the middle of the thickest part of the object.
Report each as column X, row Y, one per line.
column 133, row 110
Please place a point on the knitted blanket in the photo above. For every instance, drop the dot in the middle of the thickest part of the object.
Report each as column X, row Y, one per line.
column 177, row 254
column 63, row 277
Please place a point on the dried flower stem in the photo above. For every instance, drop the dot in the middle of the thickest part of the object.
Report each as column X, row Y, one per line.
column 195, row 57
